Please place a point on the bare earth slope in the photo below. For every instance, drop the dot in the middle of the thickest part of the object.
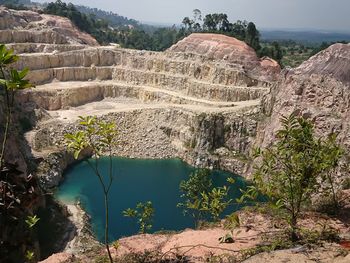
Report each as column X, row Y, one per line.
column 332, row 62
column 28, row 26
column 221, row 47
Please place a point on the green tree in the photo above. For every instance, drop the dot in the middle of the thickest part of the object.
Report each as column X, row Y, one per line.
column 144, row 214
column 239, row 29
column 199, row 182
column 215, row 202
column 224, row 25
column 272, row 50
column 14, row 186
column 201, row 199
column 252, row 36
column 11, row 81
column 332, row 153
column 209, row 23
column 163, row 38
column 289, row 170
column 197, row 19
column 99, row 137
column 187, row 22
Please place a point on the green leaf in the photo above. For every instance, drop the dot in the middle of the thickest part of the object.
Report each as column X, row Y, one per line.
column 76, row 154
column 6, row 56
column 31, row 221
column 230, row 180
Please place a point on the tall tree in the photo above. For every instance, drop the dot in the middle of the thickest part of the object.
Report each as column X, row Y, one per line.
column 252, row 36
column 209, row 23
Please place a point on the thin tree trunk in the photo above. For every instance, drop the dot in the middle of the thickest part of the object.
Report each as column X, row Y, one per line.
column 334, row 195
column 106, row 227
column 293, row 225
column 2, row 157
column 8, row 121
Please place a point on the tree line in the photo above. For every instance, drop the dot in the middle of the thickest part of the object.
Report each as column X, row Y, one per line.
column 108, row 27
column 131, row 35
column 219, row 23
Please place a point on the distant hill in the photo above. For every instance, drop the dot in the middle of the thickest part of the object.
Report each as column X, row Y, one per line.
column 305, row 37
column 114, row 19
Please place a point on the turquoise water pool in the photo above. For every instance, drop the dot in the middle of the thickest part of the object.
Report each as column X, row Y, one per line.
column 135, row 180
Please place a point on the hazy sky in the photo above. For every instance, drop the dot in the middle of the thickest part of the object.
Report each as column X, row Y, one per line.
column 310, row 14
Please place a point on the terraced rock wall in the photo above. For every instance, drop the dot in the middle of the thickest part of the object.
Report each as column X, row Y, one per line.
column 199, row 106
column 210, row 105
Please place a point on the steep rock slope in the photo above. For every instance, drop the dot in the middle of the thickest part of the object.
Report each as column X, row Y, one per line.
column 319, row 89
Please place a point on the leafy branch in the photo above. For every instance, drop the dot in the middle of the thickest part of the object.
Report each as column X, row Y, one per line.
column 98, row 136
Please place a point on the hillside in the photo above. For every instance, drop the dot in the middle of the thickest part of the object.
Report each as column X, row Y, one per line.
column 114, row 19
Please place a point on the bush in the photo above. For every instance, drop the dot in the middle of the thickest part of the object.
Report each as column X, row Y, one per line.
column 290, row 171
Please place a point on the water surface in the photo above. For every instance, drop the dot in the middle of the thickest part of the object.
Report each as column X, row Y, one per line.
column 135, row 180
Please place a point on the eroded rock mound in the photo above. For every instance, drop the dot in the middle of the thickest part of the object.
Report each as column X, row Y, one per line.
column 221, row 47
column 319, row 89
column 28, row 26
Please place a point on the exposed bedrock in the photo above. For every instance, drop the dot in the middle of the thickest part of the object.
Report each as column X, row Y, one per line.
column 215, row 140
column 170, row 70
column 21, row 48
column 28, row 26
column 319, row 89
column 73, row 94
column 204, row 109
column 220, row 47
column 199, row 106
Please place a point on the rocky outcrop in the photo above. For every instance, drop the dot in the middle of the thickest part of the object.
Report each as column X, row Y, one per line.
column 332, row 62
column 319, row 89
column 221, row 47
column 28, row 26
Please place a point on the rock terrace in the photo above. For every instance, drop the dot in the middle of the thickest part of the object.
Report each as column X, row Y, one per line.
column 187, row 102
